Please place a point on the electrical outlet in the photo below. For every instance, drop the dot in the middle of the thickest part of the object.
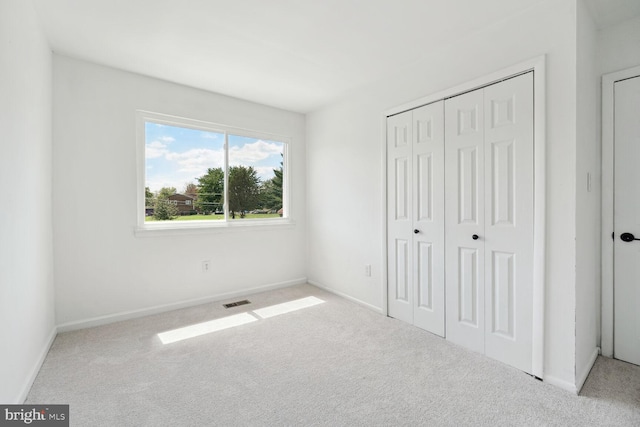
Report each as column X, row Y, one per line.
column 367, row 270
column 206, row 266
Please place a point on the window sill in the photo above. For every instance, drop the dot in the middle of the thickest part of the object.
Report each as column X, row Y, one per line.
column 210, row 227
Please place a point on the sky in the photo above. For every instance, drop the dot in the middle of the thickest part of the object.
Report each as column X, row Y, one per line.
column 176, row 156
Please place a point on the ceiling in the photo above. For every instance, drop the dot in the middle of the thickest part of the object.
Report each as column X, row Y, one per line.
column 292, row 54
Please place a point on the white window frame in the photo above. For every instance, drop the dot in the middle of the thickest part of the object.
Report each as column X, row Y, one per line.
column 143, row 228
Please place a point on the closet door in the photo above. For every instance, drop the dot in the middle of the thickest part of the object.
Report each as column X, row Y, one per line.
column 415, row 211
column 509, row 221
column 399, row 216
column 428, row 214
column 464, row 207
column 489, row 225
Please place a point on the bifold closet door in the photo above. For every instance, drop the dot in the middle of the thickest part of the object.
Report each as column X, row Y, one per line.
column 489, row 225
column 464, row 207
column 428, row 217
column 415, row 239
column 399, row 216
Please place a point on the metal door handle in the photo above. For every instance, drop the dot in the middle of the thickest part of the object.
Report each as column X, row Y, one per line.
column 475, row 237
column 628, row 237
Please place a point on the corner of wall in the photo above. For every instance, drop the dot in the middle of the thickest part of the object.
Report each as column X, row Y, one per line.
column 26, row 247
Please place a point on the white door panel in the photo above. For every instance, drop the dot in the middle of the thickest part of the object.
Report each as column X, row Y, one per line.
column 399, row 228
column 489, row 187
column 415, row 161
column 509, row 226
column 428, row 158
column 627, row 220
column 464, row 169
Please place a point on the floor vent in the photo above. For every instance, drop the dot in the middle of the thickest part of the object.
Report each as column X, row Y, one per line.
column 237, row 303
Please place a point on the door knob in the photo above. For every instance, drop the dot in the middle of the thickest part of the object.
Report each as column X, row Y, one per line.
column 416, row 231
column 628, row 237
column 475, row 237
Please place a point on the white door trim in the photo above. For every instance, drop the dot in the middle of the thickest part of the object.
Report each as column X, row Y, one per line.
column 538, row 65
column 608, row 82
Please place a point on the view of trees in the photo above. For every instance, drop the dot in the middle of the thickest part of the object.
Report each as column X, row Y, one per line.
column 191, row 189
column 247, row 192
column 163, row 209
column 271, row 190
column 244, row 190
column 210, row 191
column 148, row 197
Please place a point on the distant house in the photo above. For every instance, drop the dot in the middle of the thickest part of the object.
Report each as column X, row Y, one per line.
column 185, row 203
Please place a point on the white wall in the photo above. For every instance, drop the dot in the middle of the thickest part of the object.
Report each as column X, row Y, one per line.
column 587, row 202
column 345, row 173
column 619, row 46
column 26, row 257
column 101, row 267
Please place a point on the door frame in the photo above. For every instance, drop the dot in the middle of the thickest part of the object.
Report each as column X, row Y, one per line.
column 538, row 66
column 608, row 140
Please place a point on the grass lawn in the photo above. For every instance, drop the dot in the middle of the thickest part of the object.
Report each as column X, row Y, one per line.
column 214, row 217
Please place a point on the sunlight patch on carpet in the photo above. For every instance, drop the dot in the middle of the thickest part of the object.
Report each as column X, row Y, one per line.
column 287, row 307
column 234, row 320
column 203, row 328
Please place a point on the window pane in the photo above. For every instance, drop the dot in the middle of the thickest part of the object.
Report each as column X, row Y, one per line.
column 255, row 177
column 184, row 173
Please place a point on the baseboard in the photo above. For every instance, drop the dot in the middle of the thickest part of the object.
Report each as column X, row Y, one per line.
column 36, row 367
column 585, row 372
column 133, row 314
column 565, row 385
column 345, row 296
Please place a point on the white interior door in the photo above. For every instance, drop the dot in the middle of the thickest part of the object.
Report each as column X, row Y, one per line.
column 627, row 220
column 399, row 216
column 464, row 229
column 509, row 221
column 489, row 223
column 428, row 217
column 415, row 211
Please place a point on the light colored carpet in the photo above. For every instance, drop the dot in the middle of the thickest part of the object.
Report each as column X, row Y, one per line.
column 332, row 364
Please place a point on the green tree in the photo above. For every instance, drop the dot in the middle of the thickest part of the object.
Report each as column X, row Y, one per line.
column 244, row 190
column 148, row 198
column 271, row 191
column 191, row 189
column 166, row 192
column 164, row 209
column 210, row 190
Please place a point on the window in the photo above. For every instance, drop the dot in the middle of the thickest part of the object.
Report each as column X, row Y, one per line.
column 201, row 174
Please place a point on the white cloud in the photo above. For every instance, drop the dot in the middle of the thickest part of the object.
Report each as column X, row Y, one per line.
column 210, row 135
column 167, row 139
column 155, row 149
column 264, row 172
column 254, row 152
column 196, row 161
